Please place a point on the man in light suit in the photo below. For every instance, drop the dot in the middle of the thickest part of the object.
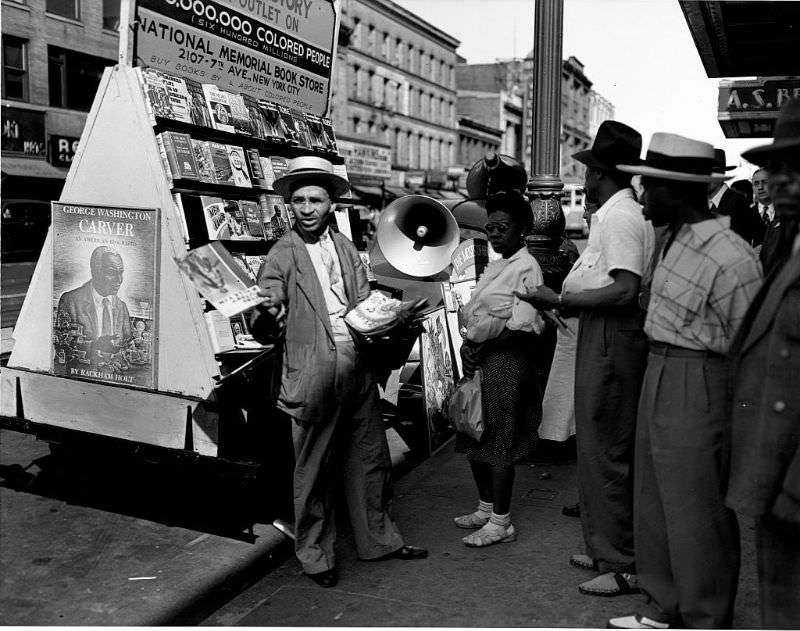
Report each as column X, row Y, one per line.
column 764, row 479
column 309, row 280
column 95, row 304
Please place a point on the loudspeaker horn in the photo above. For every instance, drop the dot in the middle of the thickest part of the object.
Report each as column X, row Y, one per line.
column 417, row 235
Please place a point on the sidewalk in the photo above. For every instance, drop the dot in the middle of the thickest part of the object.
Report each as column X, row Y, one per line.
column 523, row 584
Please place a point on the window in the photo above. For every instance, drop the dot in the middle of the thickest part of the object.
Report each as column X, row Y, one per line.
column 398, row 53
column 64, row 8
column 371, row 40
column 385, row 46
column 15, row 69
column 354, row 82
column 356, row 33
column 111, row 15
column 73, row 78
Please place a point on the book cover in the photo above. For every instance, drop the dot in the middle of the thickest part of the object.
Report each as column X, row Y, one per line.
column 110, row 252
column 266, row 169
column 241, row 261
column 155, row 90
column 288, row 127
column 237, row 222
column 165, row 157
column 180, row 100
column 180, row 155
column 256, row 119
column 274, row 125
column 254, row 166
column 219, row 279
column 220, row 331
column 280, row 166
column 252, row 216
column 255, row 261
column 215, row 216
column 223, row 171
column 267, row 213
column 239, row 172
column 438, row 376
column 276, row 215
column 301, row 128
column 242, row 336
column 204, row 161
column 240, row 117
column 198, row 106
column 316, row 133
column 219, row 107
column 330, row 137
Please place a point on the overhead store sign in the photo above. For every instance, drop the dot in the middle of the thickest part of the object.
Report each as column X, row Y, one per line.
column 749, row 109
column 362, row 159
column 278, row 51
column 24, row 132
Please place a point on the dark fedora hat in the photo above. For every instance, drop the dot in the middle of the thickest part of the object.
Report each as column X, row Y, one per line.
column 615, row 143
column 720, row 162
column 785, row 138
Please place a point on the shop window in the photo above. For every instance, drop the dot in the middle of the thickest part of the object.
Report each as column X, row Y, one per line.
column 15, row 69
column 73, row 78
column 111, row 15
column 64, row 8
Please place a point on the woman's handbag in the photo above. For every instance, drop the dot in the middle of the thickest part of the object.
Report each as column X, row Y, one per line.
column 465, row 408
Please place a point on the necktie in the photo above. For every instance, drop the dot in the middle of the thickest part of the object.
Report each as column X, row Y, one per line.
column 713, row 208
column 328, row 253
column 107, row 327
column 764, row 214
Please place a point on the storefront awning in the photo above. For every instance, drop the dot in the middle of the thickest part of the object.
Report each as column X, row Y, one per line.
column 397, row 191
column 362, row 190
column 27, row 167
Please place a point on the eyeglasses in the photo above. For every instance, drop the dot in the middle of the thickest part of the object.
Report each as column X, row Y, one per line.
column 500, row 226
column 314, row 202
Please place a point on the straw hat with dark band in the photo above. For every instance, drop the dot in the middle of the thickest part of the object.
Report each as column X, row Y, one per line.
column 674, row 157
column 310, row 170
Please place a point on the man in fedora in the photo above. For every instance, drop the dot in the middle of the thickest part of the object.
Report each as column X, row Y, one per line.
column 687, row 541
column 309, row 280
column 764, row 480
column 724, row 201
column 611, row 352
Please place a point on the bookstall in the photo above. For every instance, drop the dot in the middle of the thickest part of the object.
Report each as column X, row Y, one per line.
column 184, row 139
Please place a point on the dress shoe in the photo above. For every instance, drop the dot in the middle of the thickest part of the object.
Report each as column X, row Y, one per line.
column 328, row 578
column 406, row 553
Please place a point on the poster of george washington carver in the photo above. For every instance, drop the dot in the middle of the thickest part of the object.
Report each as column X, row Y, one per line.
column 104, row 293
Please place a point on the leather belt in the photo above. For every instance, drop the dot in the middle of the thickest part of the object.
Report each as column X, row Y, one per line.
column 670, row 350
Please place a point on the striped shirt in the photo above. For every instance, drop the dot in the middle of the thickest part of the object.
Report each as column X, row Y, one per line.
column 702, row 287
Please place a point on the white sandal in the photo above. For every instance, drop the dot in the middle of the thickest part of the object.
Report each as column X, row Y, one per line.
column 483, row 537
column 473, row 520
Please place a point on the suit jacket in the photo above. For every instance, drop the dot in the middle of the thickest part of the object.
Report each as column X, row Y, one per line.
column 765, row 398
column 79, row 304
column 309, row 353
column 745, row 220
column 771, row 245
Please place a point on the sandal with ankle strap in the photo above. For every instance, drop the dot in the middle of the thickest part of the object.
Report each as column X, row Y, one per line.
column 473, row 520
column 482, row 538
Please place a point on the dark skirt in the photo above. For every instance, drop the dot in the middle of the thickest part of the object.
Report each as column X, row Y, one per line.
column 512, row 403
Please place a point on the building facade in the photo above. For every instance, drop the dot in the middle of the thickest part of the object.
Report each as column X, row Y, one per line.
column 395, row 87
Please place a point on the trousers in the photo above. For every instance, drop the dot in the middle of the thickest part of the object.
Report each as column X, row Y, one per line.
column 348, row 450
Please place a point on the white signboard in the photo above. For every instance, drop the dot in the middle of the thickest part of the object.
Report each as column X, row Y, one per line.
column 278, row 51
column 366, row 160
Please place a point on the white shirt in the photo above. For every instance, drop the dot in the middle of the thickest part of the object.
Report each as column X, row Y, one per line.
column 620, row 239
column 98, row 312
column 336, row 307
column 770, row 209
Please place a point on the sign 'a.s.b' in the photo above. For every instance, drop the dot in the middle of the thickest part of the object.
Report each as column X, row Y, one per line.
column 279, row 52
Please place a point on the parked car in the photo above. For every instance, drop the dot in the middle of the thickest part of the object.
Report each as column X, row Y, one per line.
column 572, row 205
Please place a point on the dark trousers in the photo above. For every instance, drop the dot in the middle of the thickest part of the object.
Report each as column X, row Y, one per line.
column 687, row 541
column 778, row 553
column 611, row 356
column 347, row 449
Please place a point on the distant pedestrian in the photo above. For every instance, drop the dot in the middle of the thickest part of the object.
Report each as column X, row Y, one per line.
column 687, row 541
column 502, row 338
column 724, row 201
column 765, row 397
column 611, row 352
column 744, row 188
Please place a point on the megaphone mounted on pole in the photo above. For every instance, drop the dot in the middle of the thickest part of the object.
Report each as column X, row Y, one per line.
column 417, row 235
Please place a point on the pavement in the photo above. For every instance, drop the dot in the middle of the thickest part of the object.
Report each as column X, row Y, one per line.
column 96, row 546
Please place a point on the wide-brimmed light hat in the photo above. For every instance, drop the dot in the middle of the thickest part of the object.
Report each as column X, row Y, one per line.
column 615, row 142
column 786, row 136
column 310, row 170
column 674, row 157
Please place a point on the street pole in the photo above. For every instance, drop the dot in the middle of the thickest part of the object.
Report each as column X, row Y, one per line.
column 545, row 185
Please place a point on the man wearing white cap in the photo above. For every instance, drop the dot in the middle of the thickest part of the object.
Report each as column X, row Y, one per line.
column 687, row 541
column 309, row 280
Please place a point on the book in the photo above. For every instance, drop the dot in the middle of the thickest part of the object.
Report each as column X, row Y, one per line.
column 198, row 107
column 223, row 172
column 204, row 161
column 215, row 216
column 238, row 229
column 219, row 279
column 240, row 117
column 242, row 337
column 330, row 137
column 254, row 165
column 280, row 166
column 274, row 213
column 274, row 125
column 165, row 163
column 219, row 331
column 301, row 129
column 180, row 100
column 288, row 127
column 241, row 261
column 316, row 133
column 180, row 155
column 239, row 172
column 252, row 216
column 255, row 261
column 157, row 99
column 256, row 120
column 219, row 107
column 266, row 169
column 378, row 314
column 266, row 214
